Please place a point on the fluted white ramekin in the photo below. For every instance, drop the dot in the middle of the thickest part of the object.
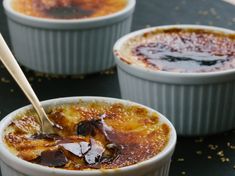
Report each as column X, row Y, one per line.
column 196, row 103
column 76, row 46
column 156, row 166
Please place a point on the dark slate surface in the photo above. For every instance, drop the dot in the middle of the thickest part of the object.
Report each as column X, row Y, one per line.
column 197, row 156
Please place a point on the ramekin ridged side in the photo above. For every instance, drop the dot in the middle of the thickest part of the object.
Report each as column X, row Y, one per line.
column 67, row 47
column 66, row 51
column 9, row 171
column 162, row 171
column 193, row 109
column 158, row 165
column 196, row 103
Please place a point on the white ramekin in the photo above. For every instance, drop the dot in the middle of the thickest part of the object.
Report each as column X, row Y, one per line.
column 156, row 166
column 196, row 103
column 76, row 46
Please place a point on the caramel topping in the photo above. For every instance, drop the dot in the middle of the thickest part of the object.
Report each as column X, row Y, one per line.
column 184, row 50
column 68, row 9
column 101, row 135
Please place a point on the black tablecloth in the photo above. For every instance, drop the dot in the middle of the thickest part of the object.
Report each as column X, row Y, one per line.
column 194, row 156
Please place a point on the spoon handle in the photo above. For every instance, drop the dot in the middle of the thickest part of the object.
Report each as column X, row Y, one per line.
column 12, row 66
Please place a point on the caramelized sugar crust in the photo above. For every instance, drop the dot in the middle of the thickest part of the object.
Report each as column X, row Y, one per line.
column 68, row 9
column 94, row 135
column 181, row 50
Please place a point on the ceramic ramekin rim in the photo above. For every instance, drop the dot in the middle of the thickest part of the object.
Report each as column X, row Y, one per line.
column 22, row 165
column 172, row 77
column 68, row 23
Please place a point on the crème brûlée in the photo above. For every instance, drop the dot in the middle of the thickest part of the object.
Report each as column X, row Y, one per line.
column 68, row 9
column 180, row 50
column 92, row 135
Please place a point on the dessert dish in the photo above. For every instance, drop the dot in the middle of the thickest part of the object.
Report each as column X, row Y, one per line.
column 67, row 45
column 185, row 72
column 98, row 135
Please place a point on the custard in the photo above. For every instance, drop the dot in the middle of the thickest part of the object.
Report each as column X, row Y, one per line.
column 181, row 50
column 68, row 9
column 94, row 135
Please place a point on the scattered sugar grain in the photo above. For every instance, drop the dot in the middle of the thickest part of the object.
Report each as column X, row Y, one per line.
column 220, row 153
column 213, row 147
column 199, row 152
column 209, row 157
column 108, row 72
column 232, row 147
column 224, row 159
column 180, row 159
column 4, row 80
column 199, row 140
